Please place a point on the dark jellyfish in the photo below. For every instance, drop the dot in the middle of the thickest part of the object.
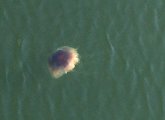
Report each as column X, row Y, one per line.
column 63, row 61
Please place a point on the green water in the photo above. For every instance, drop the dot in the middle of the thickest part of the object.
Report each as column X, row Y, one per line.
column 121, row 71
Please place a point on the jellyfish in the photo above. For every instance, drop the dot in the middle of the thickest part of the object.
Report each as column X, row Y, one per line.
column 63, row 61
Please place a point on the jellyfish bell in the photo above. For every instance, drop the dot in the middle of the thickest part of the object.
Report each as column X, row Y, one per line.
column 63, row 61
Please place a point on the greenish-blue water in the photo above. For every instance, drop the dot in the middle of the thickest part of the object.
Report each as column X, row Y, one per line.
column 122, row 59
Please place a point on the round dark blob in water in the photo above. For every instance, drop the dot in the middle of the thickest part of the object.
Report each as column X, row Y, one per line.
column 59, row 59
column 63, row 61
